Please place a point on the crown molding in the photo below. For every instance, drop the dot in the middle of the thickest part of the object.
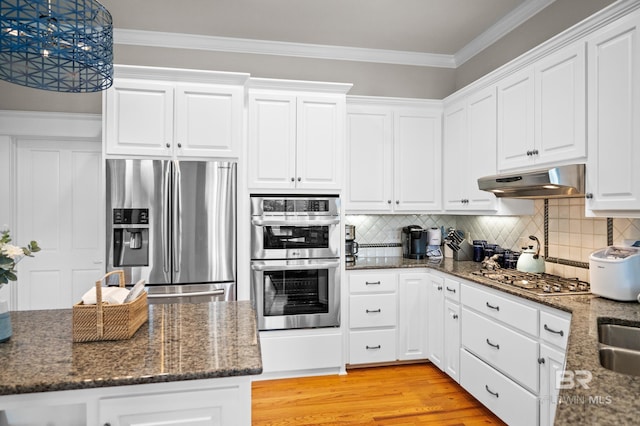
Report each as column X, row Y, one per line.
column 266, row 47
column 504, row 26
column 38, row 124
column 179, row 74
column 298, row 85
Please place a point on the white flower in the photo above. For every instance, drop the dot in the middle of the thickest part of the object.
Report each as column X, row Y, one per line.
column 12, row 252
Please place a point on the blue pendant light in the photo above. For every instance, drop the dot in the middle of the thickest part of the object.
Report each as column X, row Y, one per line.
column 58, row 45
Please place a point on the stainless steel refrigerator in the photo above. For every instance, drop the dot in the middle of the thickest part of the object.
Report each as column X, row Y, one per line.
column 173, row 224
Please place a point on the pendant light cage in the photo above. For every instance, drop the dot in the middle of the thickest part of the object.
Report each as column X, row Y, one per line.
column 58, row 45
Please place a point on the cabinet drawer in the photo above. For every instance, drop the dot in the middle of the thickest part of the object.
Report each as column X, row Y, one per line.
column 554, row 329
column 509, row 311
column 372, row 346
column 372, row 310
column 452, row 289
column 502, row 396
column 373, row 282
column 504, row 349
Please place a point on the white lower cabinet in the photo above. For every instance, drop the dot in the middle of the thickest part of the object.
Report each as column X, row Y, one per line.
column 501, row 395
column 387, row 316
column 452, row 321
column 436, row 320
column 512, row 351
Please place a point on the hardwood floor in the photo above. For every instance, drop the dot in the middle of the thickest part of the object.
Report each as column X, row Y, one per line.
column 415, row 394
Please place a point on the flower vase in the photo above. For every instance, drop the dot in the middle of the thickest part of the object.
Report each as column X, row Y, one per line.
column 5, row 321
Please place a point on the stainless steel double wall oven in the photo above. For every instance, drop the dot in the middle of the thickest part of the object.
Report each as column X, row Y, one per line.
column 295, row 261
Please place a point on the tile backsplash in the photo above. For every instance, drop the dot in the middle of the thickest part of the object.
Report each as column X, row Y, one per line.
column 571, row 235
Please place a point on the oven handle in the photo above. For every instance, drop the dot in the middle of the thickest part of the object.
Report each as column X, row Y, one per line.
column 294, row 222
column 216, row 292
column 263, row 266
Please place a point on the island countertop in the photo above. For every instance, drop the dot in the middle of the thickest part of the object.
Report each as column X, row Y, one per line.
column 179, row 342
column 609, row 397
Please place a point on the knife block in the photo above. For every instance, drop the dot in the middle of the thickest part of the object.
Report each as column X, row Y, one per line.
column 465, row 252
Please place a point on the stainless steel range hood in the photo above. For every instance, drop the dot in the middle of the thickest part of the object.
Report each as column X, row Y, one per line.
column 552, row 182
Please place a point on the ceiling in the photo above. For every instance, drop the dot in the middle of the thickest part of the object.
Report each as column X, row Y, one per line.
column 455, row 28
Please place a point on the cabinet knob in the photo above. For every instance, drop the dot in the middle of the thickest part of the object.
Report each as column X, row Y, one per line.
column 293, row 179
column 541, row 361
column 529, row 153
column 168, row 145
column 388, row 201
column 107, row 424
column 439, row 288
column 454, row 316
column 299, row 178
column 535, row 152
column 179, row 145
column 588, row 195
column 397, row 201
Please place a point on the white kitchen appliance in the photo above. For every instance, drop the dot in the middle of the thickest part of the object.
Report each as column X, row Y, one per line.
column 615, row 272
column 434, row 241
column 530, row 259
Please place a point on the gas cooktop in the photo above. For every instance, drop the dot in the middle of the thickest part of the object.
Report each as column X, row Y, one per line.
column 539, row 284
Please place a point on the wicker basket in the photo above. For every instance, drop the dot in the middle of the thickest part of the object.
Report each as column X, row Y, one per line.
column 103, row 321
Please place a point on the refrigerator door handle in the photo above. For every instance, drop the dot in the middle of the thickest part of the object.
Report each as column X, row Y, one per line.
column 166, row 221
column 176, row 221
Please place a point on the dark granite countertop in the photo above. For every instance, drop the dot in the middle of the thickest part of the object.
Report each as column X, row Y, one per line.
column 611, row 398
column 179, row 342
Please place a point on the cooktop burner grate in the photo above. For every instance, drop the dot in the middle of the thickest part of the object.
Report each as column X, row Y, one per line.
column 539, row 284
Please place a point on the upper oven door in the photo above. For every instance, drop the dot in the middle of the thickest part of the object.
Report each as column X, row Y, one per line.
column 290, row 227
column 279, row 238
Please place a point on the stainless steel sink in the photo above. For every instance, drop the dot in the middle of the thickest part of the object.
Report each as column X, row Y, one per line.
column 620, row 360
column 620, row 336
column 620, row 348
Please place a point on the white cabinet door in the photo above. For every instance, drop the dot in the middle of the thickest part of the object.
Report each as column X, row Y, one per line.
column 515, row 120
column 369, row 159
column 272, row 141
column 455, row 156
column 417, row 160
column 435, row 321
column 223, row 406
column 208, row 120
column 412, row 324
column 560, row 112
column 60, row 205
column 551, row 363
column 481, row 148
column 139, row 118
column 614, row 129
column 451, row 360
column 320, row 126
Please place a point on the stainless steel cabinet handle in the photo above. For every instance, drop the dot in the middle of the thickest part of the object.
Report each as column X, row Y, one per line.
column 491, row 392
column 494, row 345
column 374, row 311
column 216, row 292
column 373, row 347
column 497, row 308
column 540, row 361
column 561, row 333
column 294, row 222
column 452, row 290
column 372, row 283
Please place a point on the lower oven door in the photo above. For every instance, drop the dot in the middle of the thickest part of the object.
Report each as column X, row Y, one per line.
column 296, row 293
column 191, row 293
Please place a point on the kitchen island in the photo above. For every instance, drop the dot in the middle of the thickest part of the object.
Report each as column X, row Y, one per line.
column 188, row 361
column 608, row 397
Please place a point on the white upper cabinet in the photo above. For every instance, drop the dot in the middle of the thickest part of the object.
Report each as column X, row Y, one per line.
column 296, row 138
column 541, row 112
column 167, row 112
column 613, row 180
column 393, row 156
column 469, row 152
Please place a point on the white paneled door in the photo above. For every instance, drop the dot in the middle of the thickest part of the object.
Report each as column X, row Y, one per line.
column 60, row 204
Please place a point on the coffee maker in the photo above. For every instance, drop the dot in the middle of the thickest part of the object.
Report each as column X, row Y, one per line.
column 350, row 246
column 414, row 242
